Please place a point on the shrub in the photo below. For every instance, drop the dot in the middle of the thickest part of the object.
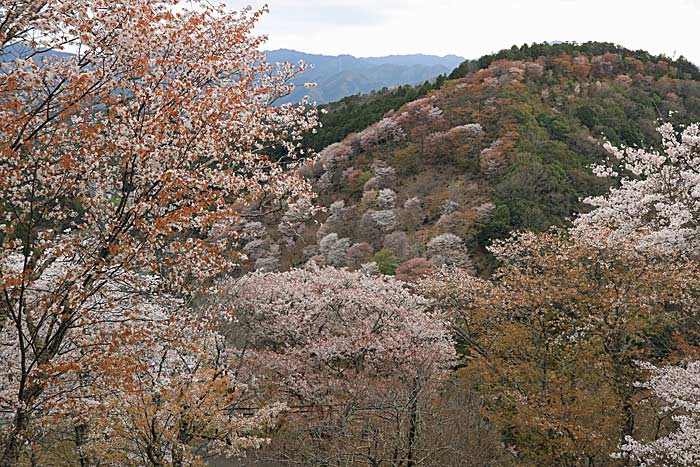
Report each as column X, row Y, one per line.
column 386, row 261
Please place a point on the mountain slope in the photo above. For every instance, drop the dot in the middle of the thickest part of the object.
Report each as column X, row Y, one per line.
column 345, row 75
column 506, row 147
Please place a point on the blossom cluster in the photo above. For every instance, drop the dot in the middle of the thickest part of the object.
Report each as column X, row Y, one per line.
column 659, row 193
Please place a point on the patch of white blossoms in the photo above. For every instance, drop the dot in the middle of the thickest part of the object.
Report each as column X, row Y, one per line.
column 679, row 388
column 659, row 197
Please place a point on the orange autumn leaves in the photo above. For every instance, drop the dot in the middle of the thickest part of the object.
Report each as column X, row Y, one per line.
column 117, row 162
column 554, row 340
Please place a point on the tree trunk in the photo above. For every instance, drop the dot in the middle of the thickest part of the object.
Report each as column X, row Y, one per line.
column 13, row 444
column 412, row 426
column 80, row 436
column 178, row 456
column 178, row 451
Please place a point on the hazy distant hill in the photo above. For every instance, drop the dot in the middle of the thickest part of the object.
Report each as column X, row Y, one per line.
column 336, row 76
column 344, row 75
column 14, row 51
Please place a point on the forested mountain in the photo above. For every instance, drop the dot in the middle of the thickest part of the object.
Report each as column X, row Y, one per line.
column 550, row 325
column 505, row 144
column 184, row 280
column 345, row 75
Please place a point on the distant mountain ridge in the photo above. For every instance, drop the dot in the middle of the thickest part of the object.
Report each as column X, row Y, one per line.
column 16, row 50
column 338, row 76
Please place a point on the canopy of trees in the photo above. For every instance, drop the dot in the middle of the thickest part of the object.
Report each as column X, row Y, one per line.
column 124, row 168
column 140, row 181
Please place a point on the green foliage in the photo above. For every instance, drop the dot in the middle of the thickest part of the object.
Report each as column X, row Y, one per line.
column 466, row 158
column 499, row 225
column 355, row 113
column 537, row 194
column 540, row 136
column 589, row 49
column 407, row 160
column 549, row 176
column 587, row 116
column 386, row 261
column 357, row 182
column 465, row 68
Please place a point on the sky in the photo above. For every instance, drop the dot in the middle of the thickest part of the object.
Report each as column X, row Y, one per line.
column 473, row 28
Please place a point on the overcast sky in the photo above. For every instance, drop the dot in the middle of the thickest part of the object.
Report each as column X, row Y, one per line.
column 473, row 28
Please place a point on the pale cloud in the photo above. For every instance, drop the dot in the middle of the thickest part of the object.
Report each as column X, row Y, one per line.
column 471, row 29
column 324, row 14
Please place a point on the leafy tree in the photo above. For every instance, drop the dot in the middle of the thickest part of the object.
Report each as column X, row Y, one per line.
column 386, row 261
column 588, row 49
column 655, row 206
column 123, row 169
column 552, row 342
column 356, row 358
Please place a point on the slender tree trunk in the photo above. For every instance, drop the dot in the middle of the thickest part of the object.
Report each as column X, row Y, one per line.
column 178, row 451
column 33, row 459
column 13, row 444
column 178, row 456
column 412, row 426
column 80, row 437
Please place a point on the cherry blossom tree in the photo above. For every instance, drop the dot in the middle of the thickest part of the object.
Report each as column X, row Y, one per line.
column 385, row 130
column 123, row 168
column 657, row 207
column 679, row 388
column 160, row 402
column 560, row 316
column 356, row 355
column 659, row 193
column 449, row 249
